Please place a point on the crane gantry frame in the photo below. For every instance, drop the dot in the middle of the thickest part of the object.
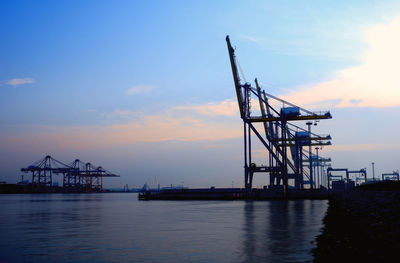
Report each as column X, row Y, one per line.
column 279, row 134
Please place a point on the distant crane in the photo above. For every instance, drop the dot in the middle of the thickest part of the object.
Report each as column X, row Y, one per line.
column 279, row 134
column 391, row 176
column 360, row 174
column 77, row 176
column 43, row 170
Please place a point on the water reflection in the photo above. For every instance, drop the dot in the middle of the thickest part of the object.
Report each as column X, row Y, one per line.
column 280, row 231
column 49, row 225
column 249, row 232
column 118, row 228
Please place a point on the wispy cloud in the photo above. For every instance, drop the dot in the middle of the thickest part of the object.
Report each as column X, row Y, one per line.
column 122, row 113
column 250, row 38
column 155, row 128
column 19, row 81
column 227, row 107
column 129, row 127
column 374, row 83
column 139, row 89
column 363, row 147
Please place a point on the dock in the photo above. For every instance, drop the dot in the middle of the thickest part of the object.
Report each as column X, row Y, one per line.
column 234, row 194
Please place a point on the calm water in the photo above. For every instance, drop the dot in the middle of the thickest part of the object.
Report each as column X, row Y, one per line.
column 119, row 228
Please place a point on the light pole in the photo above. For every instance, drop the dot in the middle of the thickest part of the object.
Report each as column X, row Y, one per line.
column 317, row 175
column 309, row 123
column 373, row 171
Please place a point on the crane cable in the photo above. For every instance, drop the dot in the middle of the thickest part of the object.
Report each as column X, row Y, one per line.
column 241, row 70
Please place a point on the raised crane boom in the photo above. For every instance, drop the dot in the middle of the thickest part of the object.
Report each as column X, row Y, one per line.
column 236, row 78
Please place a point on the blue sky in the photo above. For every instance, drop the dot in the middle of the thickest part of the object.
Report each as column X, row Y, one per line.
column 144, row 88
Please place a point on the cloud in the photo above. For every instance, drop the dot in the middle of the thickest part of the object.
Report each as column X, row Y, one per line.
column 373, row 83
column 134, row 127
column 355, row 101
column 139, row 89
column 123, row 113
column 250, row 38
column 148, row 129
column 363, row 147
column 166, row 128
column 17, row 82
column 227, row 107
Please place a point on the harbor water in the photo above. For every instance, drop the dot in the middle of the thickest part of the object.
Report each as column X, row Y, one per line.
column 116, row 227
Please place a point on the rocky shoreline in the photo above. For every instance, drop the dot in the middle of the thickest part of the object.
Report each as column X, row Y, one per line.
column 362, row 226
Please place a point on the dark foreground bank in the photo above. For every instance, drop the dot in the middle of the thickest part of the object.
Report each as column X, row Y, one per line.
column 362, row 226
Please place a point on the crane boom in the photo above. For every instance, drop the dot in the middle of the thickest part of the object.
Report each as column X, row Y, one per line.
column 262, row 108
column 236, row 78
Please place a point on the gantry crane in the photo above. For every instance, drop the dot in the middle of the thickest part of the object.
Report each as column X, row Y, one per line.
column 93, row 177
column 279, row 134
column 73, row 181
column 43, row 170
column 319, row 163
column 77, row 176
column 86, row 177
column 360, row 175
column 391, row 176
column 332, row 177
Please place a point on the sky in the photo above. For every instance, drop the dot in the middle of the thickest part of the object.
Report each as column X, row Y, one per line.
column 145, row 89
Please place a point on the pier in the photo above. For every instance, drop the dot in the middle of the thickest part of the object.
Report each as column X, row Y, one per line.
column 233, row 194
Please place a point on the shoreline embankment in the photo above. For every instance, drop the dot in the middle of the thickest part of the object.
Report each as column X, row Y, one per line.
column 362, row 225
